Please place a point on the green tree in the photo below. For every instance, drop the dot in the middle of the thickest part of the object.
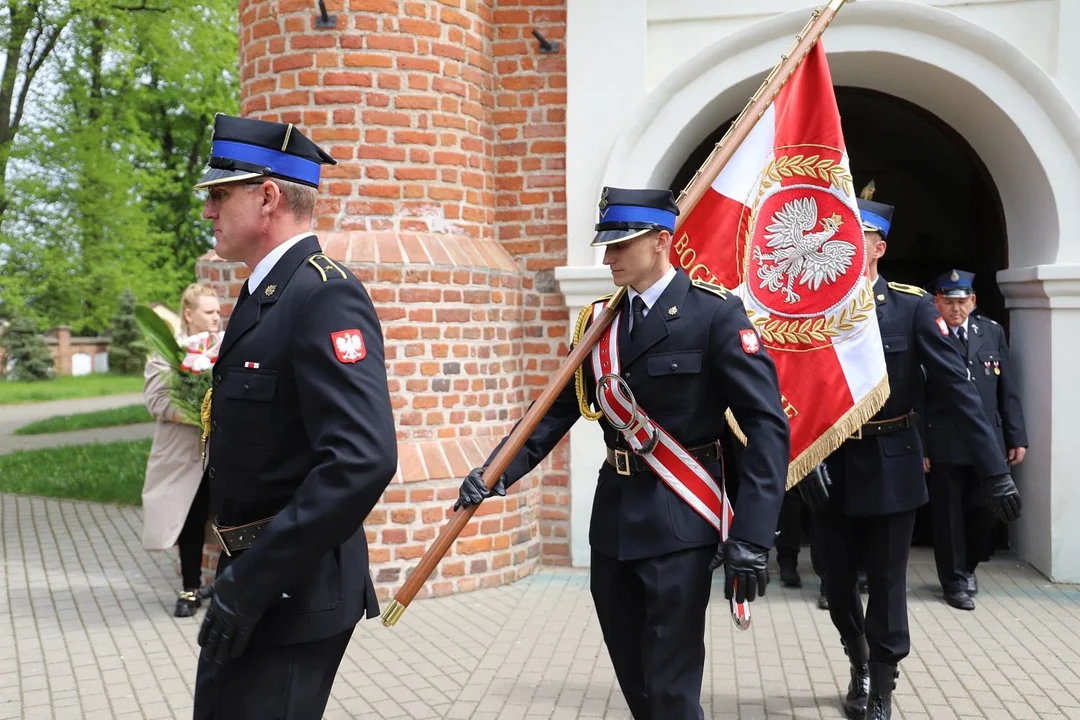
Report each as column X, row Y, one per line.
column 127, row 349
column 24, row 346
column 103, row 198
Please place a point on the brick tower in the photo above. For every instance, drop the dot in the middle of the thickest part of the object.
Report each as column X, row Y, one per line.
column 448, row 202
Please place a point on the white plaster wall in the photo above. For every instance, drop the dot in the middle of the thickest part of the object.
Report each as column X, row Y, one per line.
column 679, row 29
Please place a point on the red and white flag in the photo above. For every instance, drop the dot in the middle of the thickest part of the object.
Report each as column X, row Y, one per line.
column 780, row 225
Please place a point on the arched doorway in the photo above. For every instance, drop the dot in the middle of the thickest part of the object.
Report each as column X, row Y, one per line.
column 948, row 209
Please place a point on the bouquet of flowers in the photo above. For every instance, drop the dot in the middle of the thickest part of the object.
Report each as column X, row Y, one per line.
column 190, row 360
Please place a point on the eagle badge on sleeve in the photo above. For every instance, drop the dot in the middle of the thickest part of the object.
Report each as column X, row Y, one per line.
column 749, row 340
column 348, row 345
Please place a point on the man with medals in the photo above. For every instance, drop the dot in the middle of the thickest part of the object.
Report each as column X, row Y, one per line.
column 962, row 522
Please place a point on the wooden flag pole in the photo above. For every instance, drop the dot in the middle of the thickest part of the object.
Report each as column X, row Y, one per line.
column 690, row 196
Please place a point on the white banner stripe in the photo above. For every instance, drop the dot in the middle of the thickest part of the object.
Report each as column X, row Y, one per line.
column 739, row 178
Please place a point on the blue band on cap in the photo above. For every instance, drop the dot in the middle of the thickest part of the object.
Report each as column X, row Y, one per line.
column 874, row 219
column 281, row 163
column 638, row 214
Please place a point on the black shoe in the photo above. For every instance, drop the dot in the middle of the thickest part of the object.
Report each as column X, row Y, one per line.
column 859, row 688
column 960, row 600
column 187, row 603
column 789, row 576
column 972, row 584
column 882, row 683
column 822, row 602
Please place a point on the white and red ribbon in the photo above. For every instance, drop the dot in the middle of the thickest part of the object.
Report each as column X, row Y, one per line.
column 671, row 462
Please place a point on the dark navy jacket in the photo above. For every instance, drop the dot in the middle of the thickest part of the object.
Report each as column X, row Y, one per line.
column 686, row 366
column 305, row 437
column 883, row 474
column 987, row 357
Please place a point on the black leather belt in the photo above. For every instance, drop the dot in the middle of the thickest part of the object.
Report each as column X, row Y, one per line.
column 884, row 427
column 239, row 537
column 628, row 463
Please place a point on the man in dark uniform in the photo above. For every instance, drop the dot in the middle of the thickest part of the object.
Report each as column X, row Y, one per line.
column 687, row 353
column 877, row 481
column 962, row 522
column 301, row 438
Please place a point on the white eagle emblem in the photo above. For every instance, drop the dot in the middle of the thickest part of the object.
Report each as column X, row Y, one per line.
column 349, row 346
column 812, row 258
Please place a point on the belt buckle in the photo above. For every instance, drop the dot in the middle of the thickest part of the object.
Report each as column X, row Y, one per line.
column 622, row 462
column 221, row 540
column 858, row 434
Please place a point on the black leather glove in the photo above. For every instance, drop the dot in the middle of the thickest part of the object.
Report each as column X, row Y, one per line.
column 473, row 491
column 746, row 569
column 814, row 488
column 1002, row 497
column 229, row 620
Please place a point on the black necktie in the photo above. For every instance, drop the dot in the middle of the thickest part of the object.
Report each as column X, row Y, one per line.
column 962, row 334
column 638, row 307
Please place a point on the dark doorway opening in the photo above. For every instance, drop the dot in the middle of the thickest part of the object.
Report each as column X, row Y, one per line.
column 948, row 210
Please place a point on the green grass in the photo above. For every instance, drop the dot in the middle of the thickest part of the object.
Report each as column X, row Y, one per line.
column 127, row 415
column 66, row 387
column 102, row 472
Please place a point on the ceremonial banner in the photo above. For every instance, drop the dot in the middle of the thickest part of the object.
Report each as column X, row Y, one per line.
column 780, row 226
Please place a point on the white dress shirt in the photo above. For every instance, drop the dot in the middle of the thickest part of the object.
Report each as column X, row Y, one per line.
column 264, row 266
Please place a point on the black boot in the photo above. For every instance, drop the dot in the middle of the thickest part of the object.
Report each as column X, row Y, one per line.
column 789, row 576
column 882, row 683
column 859, row 688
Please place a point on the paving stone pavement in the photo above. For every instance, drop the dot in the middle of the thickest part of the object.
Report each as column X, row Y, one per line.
column 86, row 631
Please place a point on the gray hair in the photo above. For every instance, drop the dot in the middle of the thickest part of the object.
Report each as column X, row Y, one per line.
column 299, row 199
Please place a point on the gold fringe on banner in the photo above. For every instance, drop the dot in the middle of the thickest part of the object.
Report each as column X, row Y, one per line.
column 832, row 438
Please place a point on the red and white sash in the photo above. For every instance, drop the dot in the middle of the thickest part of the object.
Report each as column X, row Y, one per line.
column 671, row 462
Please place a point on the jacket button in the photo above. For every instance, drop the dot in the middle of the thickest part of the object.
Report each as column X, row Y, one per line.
column 626, row 375
column 246, row 387
column 217, row 379
column 211, row 473
column 213, row 426
column 886, row 347
column 674, row 366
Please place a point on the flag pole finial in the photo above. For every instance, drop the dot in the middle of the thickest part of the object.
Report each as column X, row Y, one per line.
column 868, row 191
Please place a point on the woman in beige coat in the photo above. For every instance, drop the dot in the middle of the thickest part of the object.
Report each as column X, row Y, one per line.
column 175, row 499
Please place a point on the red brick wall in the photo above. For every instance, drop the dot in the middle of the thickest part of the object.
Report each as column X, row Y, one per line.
column 530, row 215
column 448, row 202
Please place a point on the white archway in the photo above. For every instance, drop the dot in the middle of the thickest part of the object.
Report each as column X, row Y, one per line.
column 1014, row 117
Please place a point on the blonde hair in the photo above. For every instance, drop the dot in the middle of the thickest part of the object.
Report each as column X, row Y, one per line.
column 189, row 300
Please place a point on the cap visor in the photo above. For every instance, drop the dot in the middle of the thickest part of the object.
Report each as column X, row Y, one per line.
column 610, row 237
column 956, row 293
column 216, row 176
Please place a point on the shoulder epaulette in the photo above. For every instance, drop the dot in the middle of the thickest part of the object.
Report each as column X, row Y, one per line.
column 327, row 268
column 714, row 289
column 909, row 289
column 989, row 320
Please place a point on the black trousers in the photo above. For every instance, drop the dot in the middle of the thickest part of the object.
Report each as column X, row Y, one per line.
column 652, row 614
column 290, row 682
column 192, row 536
column 963, row 525
column 789, row 541
column 880, row 544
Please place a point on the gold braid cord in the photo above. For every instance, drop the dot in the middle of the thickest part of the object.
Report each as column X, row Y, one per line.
column 204, row 416
column 579, row 374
